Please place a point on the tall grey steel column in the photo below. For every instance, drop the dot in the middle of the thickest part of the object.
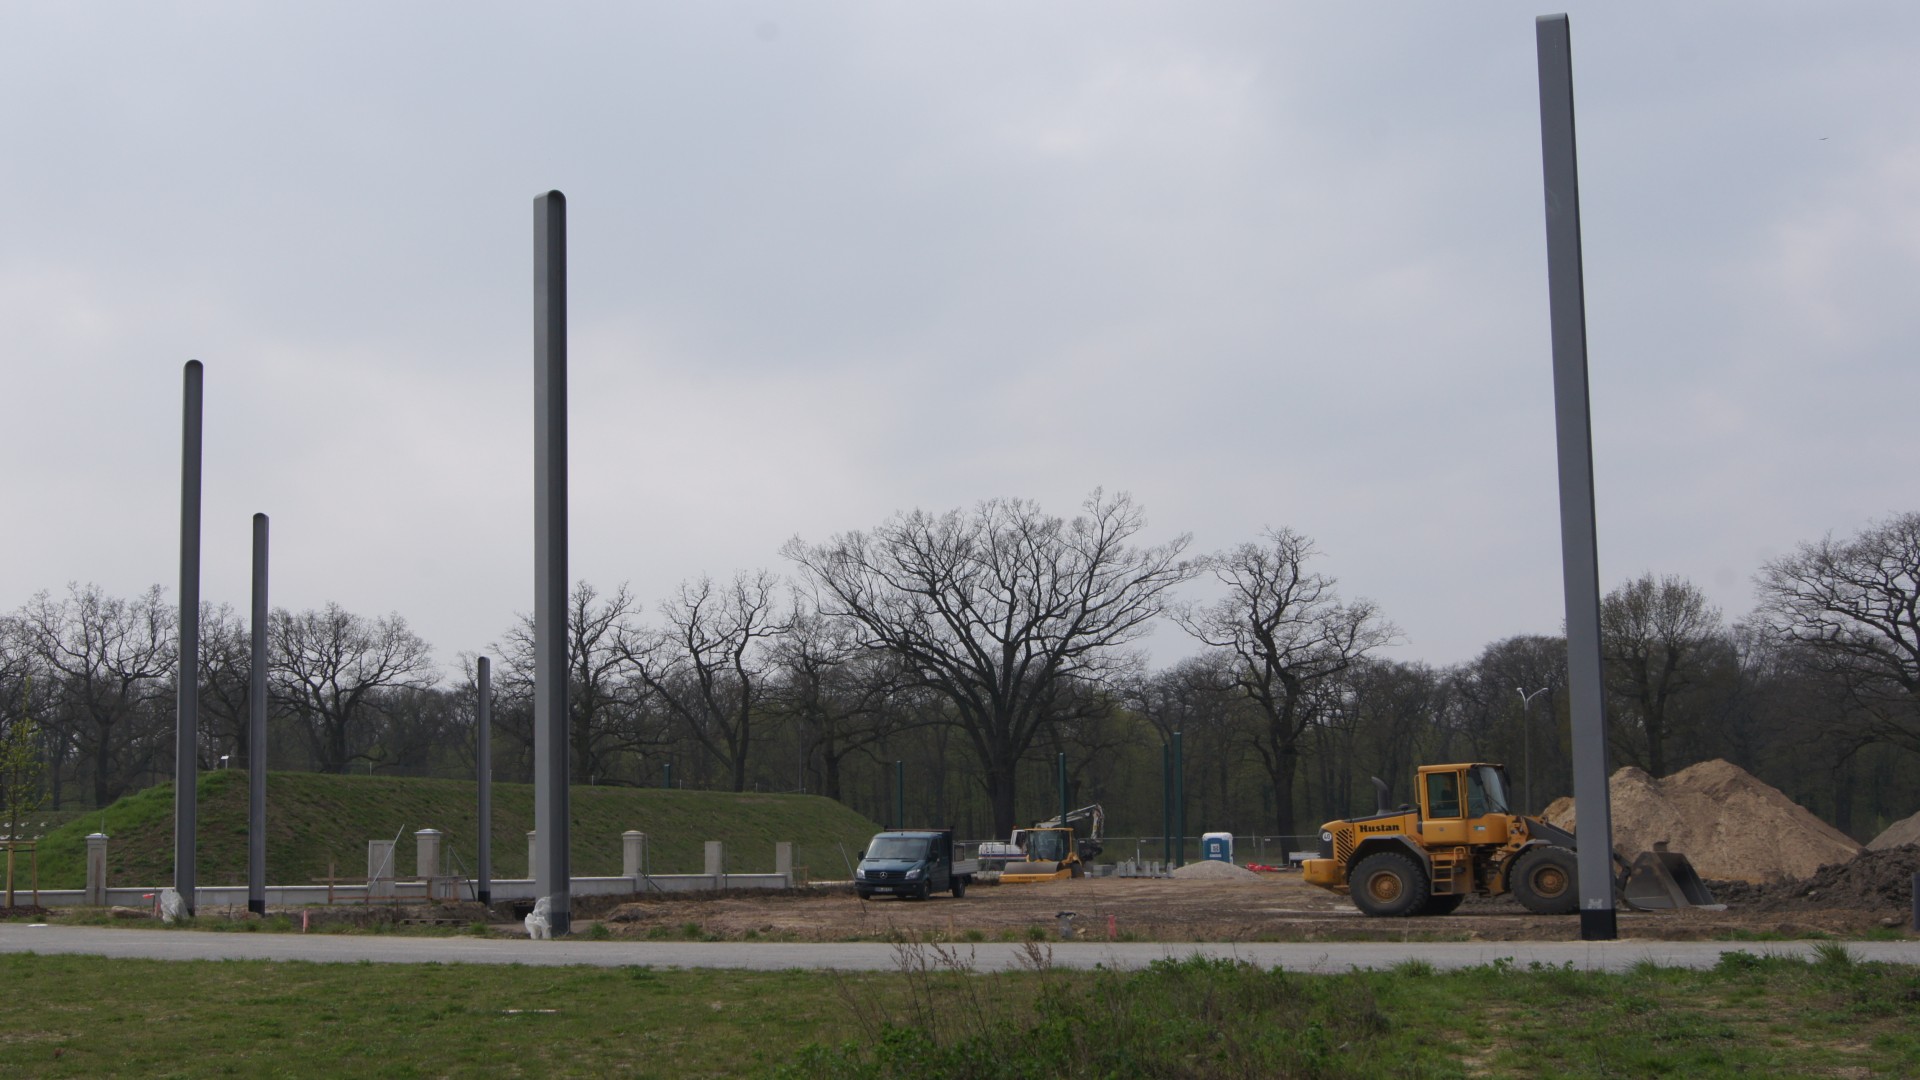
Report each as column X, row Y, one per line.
column 1166, row 803
column 552, row 874
column 1060, row 765
column 1179, row 801
column 1579, row 549
column 483, row 749
column 186, row 743
column 257, row 729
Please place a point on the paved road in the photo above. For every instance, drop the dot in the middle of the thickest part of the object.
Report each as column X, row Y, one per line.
column 774, row 956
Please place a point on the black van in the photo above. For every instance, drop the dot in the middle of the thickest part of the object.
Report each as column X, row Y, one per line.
column 912, row 864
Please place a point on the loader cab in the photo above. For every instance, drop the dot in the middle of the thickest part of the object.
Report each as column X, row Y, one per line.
column 1049, row 845
column 1463, row 804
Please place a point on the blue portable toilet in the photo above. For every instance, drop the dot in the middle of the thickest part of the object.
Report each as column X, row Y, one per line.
column 1216, row 846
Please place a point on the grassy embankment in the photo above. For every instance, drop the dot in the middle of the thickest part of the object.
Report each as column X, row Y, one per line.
column 1753, row 1015
column 314, row 819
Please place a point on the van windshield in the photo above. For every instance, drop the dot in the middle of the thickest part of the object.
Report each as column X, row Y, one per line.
column 911, row 848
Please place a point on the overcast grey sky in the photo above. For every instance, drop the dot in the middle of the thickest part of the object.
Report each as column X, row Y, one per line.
column 1259, row 264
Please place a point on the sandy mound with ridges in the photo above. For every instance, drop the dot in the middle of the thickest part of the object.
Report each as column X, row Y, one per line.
column 1213, row 868
column 1899, row 834
column 1727, row 822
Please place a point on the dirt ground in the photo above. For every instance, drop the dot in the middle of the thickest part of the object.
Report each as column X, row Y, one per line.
column 1272, row 907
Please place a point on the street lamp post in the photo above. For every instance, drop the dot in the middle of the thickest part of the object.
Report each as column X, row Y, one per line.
column 1526, row 743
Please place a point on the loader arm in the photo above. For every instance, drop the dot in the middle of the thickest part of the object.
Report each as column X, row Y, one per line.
column 1653, row 881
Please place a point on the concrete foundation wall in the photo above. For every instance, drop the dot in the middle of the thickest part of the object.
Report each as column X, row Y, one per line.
column 383, row 887
column 218, row 896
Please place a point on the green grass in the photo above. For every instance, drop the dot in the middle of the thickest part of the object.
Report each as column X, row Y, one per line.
column 1753, row 1015
column 314, row 817
column 41, row 822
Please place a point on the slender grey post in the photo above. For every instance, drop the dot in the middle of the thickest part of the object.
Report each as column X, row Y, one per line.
column 553, row 875
column 1166, row 803
column 257, row 729
column 1179, row 802
column 186, row 744
column 483, row 736
column 1579, row 549
column 900, row 794
column 1060, row 766
column 1526, row 740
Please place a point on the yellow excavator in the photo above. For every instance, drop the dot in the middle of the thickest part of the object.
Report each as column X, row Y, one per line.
column 1056, row 848
column 1462, row 840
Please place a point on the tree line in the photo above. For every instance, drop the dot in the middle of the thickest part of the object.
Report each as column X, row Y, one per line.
column 976, row 645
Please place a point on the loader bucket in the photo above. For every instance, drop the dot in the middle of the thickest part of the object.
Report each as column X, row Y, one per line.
column 1660, row 880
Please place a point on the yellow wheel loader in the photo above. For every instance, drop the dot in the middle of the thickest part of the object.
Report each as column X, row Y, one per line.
column 1462, row 840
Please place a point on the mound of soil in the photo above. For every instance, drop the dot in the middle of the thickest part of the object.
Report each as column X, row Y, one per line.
column 1899, row 834
column 1731, row 825
column 1213, row 869
column 1871, row 880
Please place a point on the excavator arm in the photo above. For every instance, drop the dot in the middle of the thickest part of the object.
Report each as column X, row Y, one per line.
column 1095, row 817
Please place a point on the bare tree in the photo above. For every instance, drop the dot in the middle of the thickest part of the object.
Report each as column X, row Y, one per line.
column 27, row 692
column 993, row 609
column 1661, row 641
column 1397, row 708
column 841, row 699
column 226, row 658
column 113, row 660
column 422, row 732
column 1089, row 724
column 22, row 748
column 707, row 665
column 1485, row 708
column 1849, row 612
column 333, row 671
column 1198, row 698
column 608, row 710
column 1287, row 630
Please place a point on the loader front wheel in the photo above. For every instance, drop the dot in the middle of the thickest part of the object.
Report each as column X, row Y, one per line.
column 1388, row 884
column 1547, row 881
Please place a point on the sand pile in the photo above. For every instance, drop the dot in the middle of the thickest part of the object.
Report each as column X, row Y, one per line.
column 1898, row 834
column 1728, row 823
column 1213, row 869
column 1871, row 880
